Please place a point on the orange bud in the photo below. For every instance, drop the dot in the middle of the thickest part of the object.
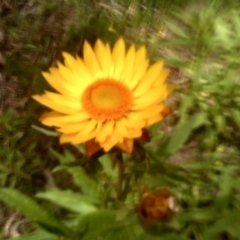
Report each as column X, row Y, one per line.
column 155, row 206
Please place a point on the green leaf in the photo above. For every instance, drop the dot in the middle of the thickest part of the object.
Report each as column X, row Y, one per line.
column 33, row 211
column 226, row 185
column 175, row 28
column 102, row 225
column 108, row 167
column 220, row 122
column 70, row 200
column 64, row 159
column 235, row 114
column 89, row 186
column 187, row 103
column 45, row 131
column 171, row 145
column 38, row 235
column 228, row 223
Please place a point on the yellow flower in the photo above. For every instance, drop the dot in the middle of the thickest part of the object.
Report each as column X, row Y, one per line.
column 107, row 96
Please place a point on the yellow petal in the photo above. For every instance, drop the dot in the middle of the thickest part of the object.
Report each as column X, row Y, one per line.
column 111, row 66
column 60, row 85
column 148, row 112
column 51, row 114
column 79, row 72
column 140, row 56
column 161, row 78
column 134, row 132
column 165, row 91
column 71, row 78
column 133, row 121
column 57, row 84
column 69, row 87
column 154, row 119
column 121, row 127
column 118, row 56
column 76, row 138
column 60, row 119
column 140, row 66
column 104, row 130
column 73, row 127
column 128, row 64
column 149, row 97
column 90, row 61
column 69, row 60
column 108, row 144
column 83, row 71
column 112, row 140
column 104, row 57
column 83, row 128
column 168, row 90
column 89, row 127
column 126, row 145
column 137, row 76
column 64, row 100
column 53, row 105
column 148, row 79
column 116, row 135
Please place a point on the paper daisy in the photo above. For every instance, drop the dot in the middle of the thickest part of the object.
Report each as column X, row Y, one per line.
column 107, row 97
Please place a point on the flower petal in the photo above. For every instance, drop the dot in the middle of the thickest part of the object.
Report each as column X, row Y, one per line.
column 161, row 78
column 108, row 144
column 79, row 71
column 73, row 127
column 128, row 65
column 121, row 127
column 104, row 57
column 137, row 76
column 134, row 132
column 133, row 121
column 150, row 97
column 126, row 145
column 148, row 79
column 76, row 138
column 118, row 56
column 56, row 81
column 57, row 119
column 53, row 105
column 104, row 130
column 89, row 127
column 148, row 112
column 154, row 119
column 90, row 61
column 60, row 86
column 83, row 71
column 64, row 100
column 112, row 140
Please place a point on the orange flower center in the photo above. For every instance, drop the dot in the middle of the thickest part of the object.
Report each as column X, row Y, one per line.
column 106, row 99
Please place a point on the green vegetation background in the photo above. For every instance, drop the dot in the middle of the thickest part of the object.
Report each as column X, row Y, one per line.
column 195, row 150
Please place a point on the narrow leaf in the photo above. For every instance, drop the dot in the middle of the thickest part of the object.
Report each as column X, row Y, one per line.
column 70, row 200
column 89, row 186
column 32, row 210
column 45, row 131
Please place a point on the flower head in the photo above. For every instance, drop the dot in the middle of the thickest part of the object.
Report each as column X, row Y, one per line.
column 106, row 97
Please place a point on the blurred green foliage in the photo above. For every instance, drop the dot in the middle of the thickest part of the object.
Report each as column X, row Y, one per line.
column 197, row 159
